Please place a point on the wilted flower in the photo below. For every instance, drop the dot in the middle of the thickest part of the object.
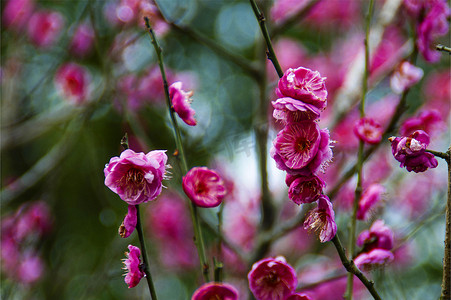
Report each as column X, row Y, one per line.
column 368, row 130
column 204, row 187
column 370, row 197
column 82, row 40
column 405, row 76
column 322, row 219
column 132, row 264
column 45, row 27
column 215, row 290
column 379, row 236
column 181, row 103
column 373, row 259
column 129, row 223
column 305, row 85
column 302, row 148
column 304, row 189
column 409, row 151
column 136, row 177
column 272, row 279
column 290, row 110
column 72, row 81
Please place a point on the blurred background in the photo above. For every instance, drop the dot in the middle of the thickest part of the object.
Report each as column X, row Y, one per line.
column 77, row 75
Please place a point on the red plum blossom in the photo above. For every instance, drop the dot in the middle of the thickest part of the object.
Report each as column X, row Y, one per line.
column 83, row 40
column 368, row 131
column 72, row 81
column 204, row 187
column 370, row 197
column 129, row 223
column 304, row 189
column 181, row 103
column 373, row 259
column 299, row 296
column 405, row 76
column 136, row 177
column 322, row 220
column 215, row 290
column 44, row 28
column 16, row 14
column 132, row 265
column 378, row 236
column 289, row 110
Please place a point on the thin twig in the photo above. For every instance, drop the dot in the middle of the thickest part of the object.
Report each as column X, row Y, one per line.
column 446, row 280
column 443, row 48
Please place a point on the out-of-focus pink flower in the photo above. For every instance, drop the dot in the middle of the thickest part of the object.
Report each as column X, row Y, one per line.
column 136, row 177
column 283, row 9
column 204, row 187
column 82, row 40
column 129, row 223
column 333, row 15
column 272, row 279
column 45, row 27
column 370, row 198
column 30, row 269
column 437, row 91
column 305, row 85
column 181, row 101
column 132, row 265
column 429, row 121
column 302, row 148
column 405, row 76
column 299, row 296
column 322, row 219
column 16, row 13
column 409, row 151
column 434, row 24
column 289, row 110
column 72, row 81
column 379, row 236
column 373, row 259
column 34, row 220
column 368, row 130
column 304, row 189
column 215, row 290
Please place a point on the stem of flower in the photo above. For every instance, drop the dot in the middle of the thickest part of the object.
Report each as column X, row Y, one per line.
column 261, row 21
column 146, row 269
column 446, row 280
column 198, row 239
column 352, row 268
column 360, row 160
column 445, row 156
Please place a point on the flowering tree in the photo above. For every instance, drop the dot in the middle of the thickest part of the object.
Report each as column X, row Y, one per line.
column 285, row 150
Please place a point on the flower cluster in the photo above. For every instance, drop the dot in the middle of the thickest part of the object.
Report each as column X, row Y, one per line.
column 302, row 148
column 410, row 152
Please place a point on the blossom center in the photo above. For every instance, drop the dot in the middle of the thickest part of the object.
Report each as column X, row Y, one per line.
column 272, row 278
column 302, row 144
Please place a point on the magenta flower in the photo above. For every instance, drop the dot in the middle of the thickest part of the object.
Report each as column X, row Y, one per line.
column 82, row 40
column 181, row 103
column 45, row 27
column 434, row 25
column 129, row 223
column 136, row 177
column 215, row 290
column 298, row 296
column 132, row 265
column 290, row 110
column 368, row 130
column 272, row 279
column 302, row 148
column 373, row 259
column 405, row 76
column 322, row 219
column 371, row 196
column 379, row 236
column 409, row 151
column 305, row 85
column 30, row 269
column 204, row 187
column 72, row 81
column 16, row 13
column 304, row 189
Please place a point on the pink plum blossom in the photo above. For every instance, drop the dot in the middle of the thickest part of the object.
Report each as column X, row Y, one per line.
column 373, row 259
column 181, row 103
column 304, row 189
column 132, row 265
column 428, row 120
column 299, row 296
column 405, row 76
column 378, row 236
column 368, row 131
column 204, row 187
column 136, row 177
column 305, row 85
column 215, row 290
column 322, row 219
column 72, row 81
column 289, row 110
column 45, row 27
column 272, row 279
column 83, row 40
column 370, row 198
column 16, row 13
column 129, row 223
column 302, row 148
column 409, row 151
